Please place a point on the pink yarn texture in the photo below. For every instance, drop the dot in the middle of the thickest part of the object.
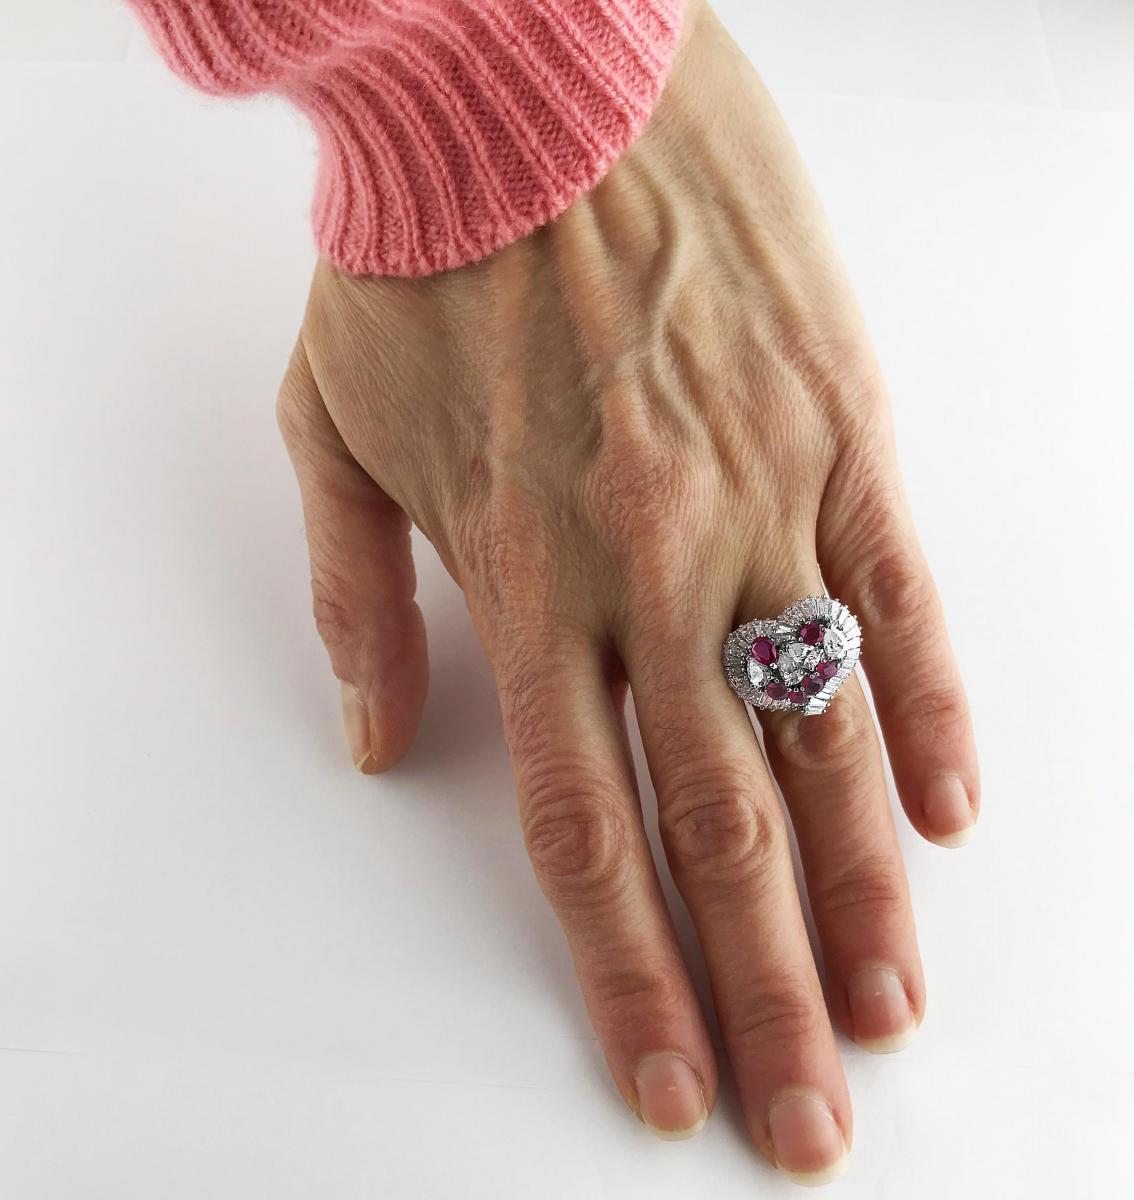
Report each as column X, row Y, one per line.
column 446, row 128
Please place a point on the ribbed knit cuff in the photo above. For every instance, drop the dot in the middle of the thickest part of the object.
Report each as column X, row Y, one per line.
column 446, row 128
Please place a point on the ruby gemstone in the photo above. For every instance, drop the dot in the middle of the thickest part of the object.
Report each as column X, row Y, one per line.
column 826, row 670
column 796, row 697
column 775, row 690
column 811, row 634
column 811, row 685
column 763, row 650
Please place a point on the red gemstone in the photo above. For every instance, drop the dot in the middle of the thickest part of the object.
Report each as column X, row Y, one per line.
column 795, row 697
column 775, row 690
column 811, row 685
column 811, row 634
column 826, row 670
column 764, row 651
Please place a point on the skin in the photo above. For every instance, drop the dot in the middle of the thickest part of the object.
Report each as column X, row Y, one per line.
column 646, row 423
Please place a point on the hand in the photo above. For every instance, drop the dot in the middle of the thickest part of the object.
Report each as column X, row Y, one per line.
column 650, row 421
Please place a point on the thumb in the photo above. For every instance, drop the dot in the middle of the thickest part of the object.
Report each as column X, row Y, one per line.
column 362, row 576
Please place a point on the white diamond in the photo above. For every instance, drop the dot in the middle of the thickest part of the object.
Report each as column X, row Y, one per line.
column 796, row 660
column 756, row 673
column 835, row 644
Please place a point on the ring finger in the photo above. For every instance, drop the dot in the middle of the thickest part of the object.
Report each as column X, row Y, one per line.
column 728, row 851
column 829, row 769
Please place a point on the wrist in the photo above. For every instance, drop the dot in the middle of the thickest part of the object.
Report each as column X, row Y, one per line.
column 446, row 128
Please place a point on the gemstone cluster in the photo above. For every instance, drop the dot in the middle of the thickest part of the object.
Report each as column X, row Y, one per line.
column 797, row 662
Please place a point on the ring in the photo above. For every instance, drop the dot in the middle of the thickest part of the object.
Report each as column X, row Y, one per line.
column 795, row 662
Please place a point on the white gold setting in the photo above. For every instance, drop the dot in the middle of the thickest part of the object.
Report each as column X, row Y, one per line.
column 796, row 666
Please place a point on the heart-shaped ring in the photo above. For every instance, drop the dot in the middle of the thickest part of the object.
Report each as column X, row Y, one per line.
column 795, row 662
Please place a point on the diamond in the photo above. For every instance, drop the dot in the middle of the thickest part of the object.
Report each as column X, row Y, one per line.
column 834, row 644
column 756, row 673
column 796, row 660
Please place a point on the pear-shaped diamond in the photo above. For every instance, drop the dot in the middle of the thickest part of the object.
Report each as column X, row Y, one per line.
column 834, row 644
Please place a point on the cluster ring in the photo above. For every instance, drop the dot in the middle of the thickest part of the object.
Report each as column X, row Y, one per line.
column 795, row 662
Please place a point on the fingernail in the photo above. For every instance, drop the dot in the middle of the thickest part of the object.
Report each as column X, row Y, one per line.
column 880, row 1010
column 356, row 721
column 806, row 1139
column 948, row 814
column 670, row 1098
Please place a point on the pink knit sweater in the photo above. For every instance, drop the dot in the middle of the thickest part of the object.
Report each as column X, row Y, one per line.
column 446, row 128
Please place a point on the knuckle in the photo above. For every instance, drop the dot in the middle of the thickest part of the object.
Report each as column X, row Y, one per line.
column 837, row 740
column 639, row 489
column 876, row 887
column 939, row 715
column 334, row 616
column 792, row 1015
column 897, row 589
column 629, row 491
column 714, row 831
column 578, row 839
column 624, row 996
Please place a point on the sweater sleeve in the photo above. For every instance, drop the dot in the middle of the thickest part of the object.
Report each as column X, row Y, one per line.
column 446, row 128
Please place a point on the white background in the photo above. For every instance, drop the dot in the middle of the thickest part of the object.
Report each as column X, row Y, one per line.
column 232, row 968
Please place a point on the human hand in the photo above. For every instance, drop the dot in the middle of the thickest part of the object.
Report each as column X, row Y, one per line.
column 648, row 422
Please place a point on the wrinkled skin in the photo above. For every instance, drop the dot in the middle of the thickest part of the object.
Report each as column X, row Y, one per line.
column 646, row 423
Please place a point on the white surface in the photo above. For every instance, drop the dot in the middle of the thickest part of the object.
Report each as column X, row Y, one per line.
column 231, row 968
